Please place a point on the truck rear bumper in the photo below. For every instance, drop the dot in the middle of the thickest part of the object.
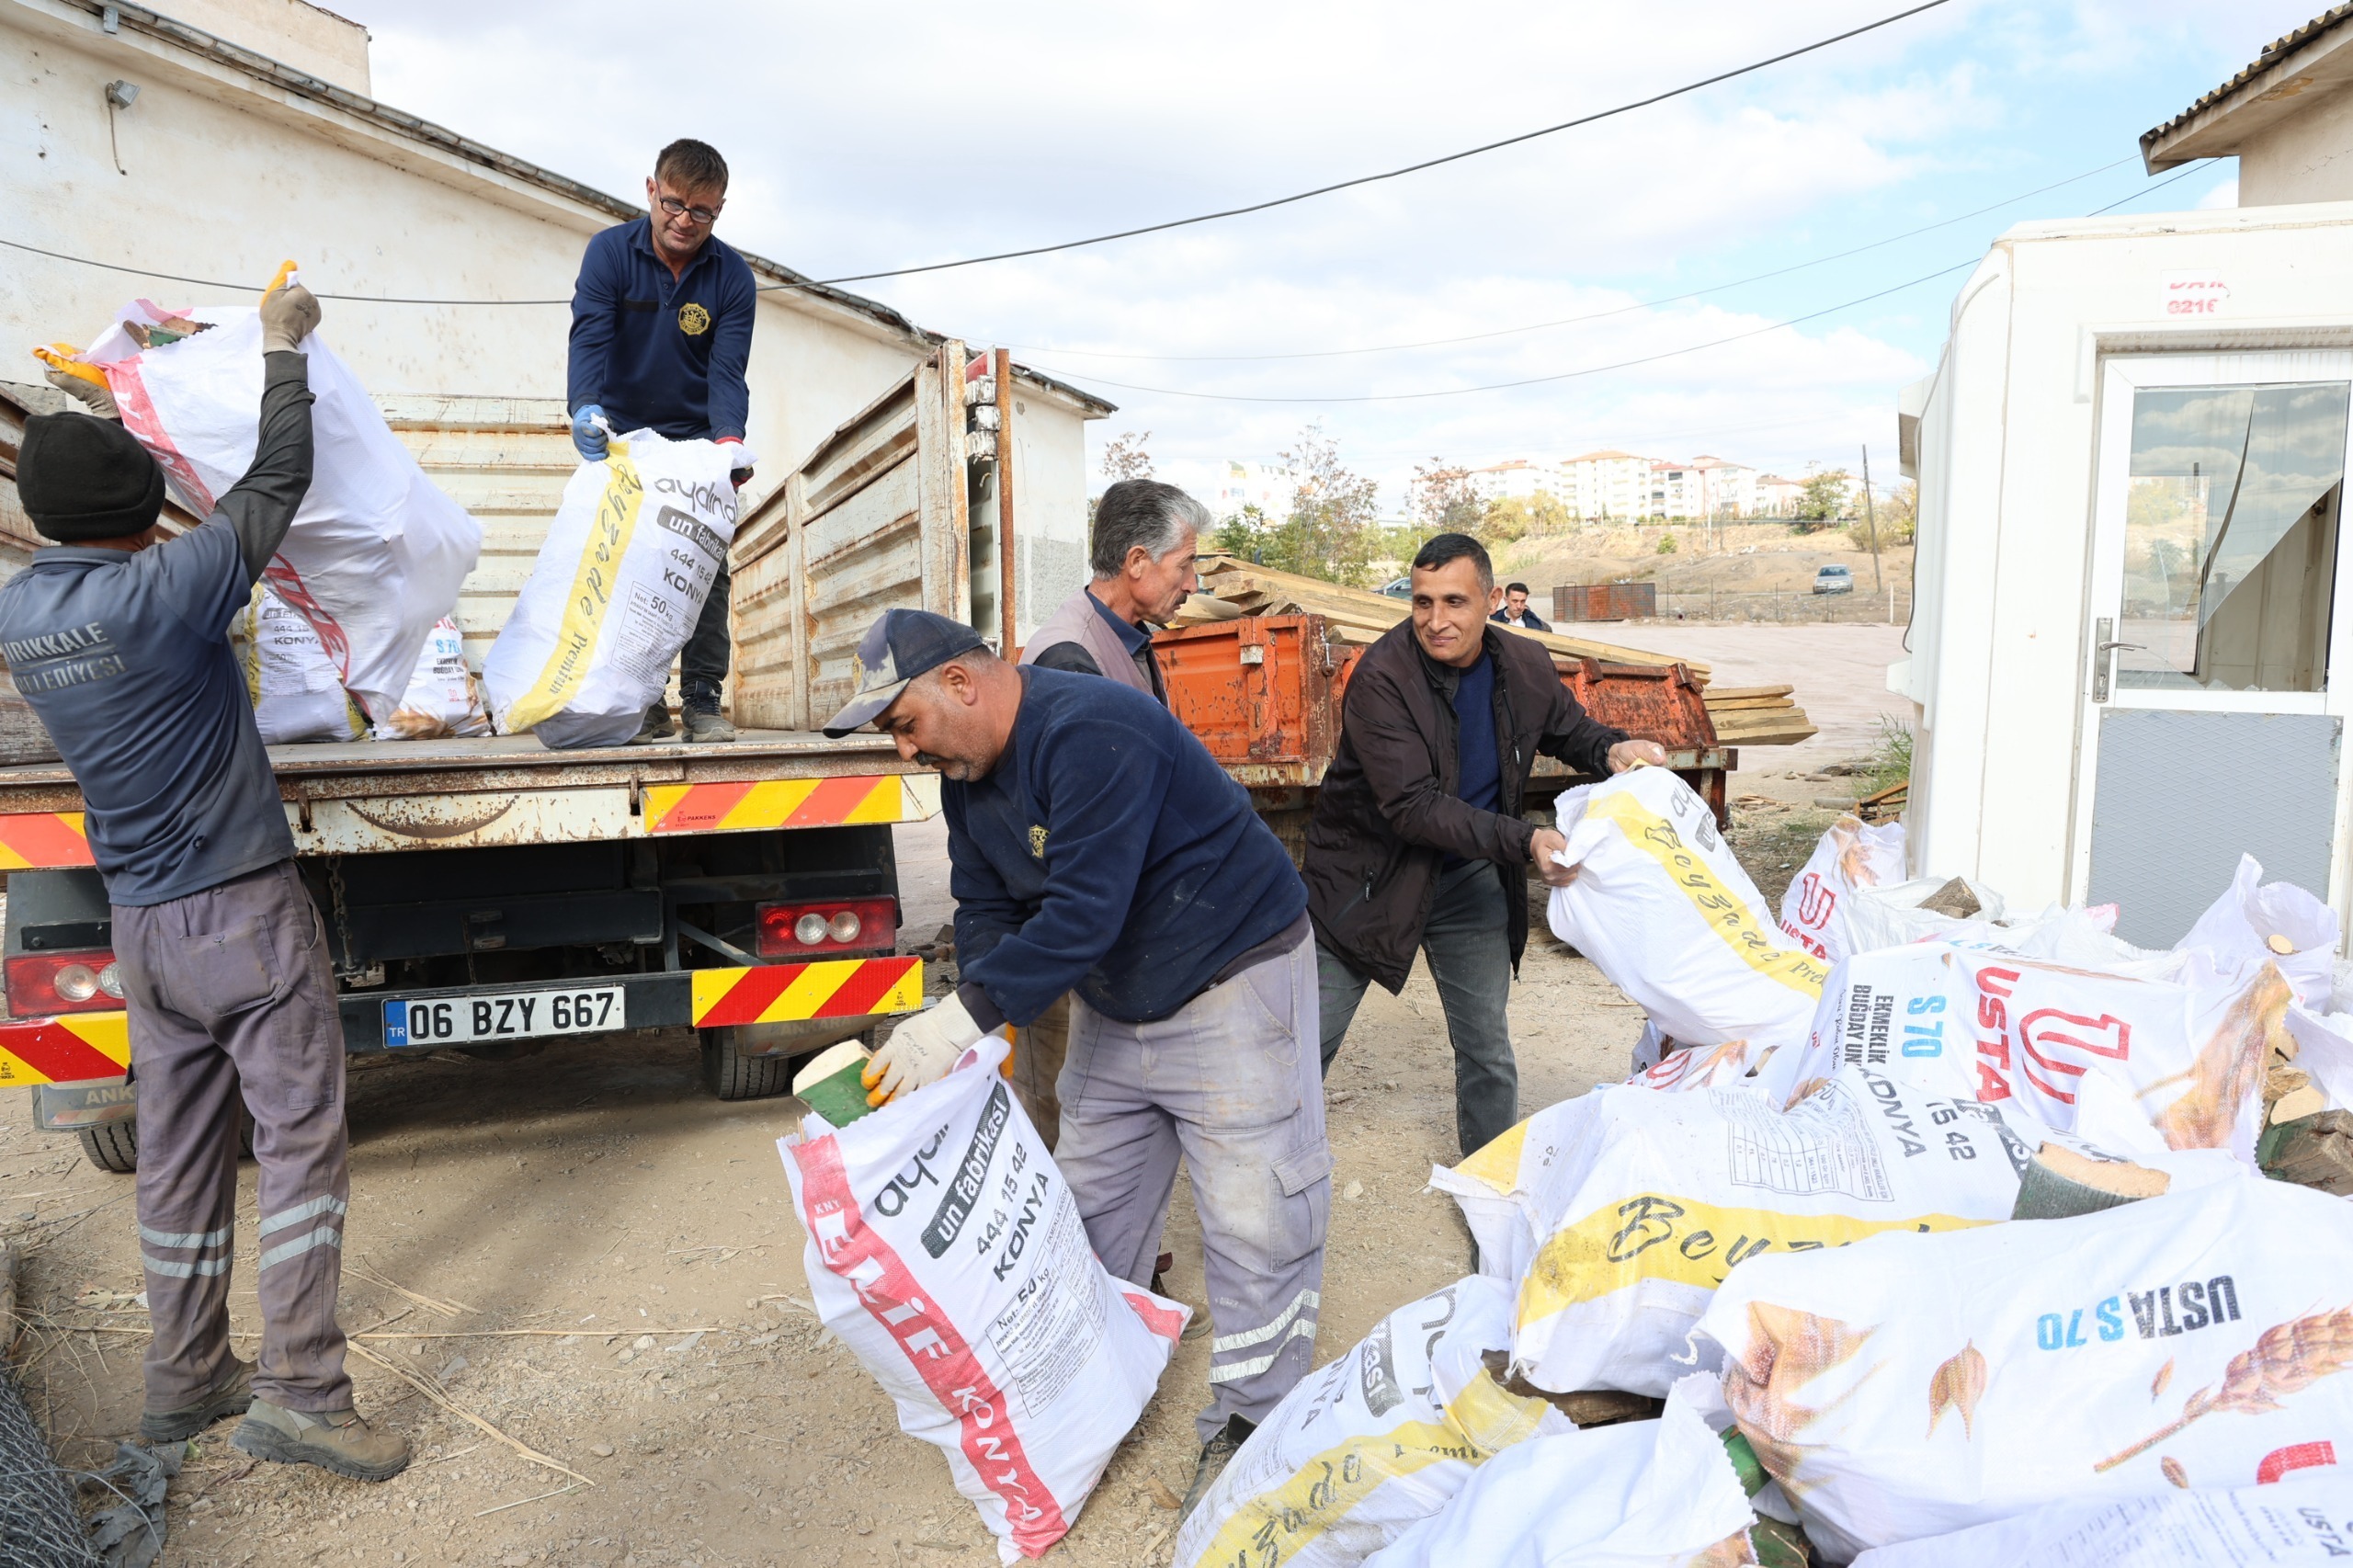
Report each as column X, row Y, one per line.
column 73, row 1059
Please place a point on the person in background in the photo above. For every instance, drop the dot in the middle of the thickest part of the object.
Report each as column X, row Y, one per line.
column 661, row 334
column 1515, row 611
column 1146, row 537
column 1416, row 844
column 118, row 636
column 1096, row 850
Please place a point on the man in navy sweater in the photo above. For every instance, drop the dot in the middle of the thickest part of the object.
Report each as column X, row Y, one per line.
column 661, row 332
column 1095, row 848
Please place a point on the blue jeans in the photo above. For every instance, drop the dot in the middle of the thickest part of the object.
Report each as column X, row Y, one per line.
column 1467, row 944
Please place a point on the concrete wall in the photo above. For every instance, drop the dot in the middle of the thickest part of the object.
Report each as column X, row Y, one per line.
column 2308, row 156
column 222, row 176
column 292, row 32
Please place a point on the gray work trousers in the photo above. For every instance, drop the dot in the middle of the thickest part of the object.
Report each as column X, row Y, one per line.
column 231, row 995
column 1228, row 1082
column 1467, row 943
column 702, row 663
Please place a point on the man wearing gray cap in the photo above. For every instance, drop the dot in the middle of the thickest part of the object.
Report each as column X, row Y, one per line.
column 1095, row 848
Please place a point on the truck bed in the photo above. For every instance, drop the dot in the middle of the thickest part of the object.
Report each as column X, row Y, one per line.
column 362, row 797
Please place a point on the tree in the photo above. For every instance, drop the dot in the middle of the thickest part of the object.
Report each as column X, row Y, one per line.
column 1330, row 532
column 1245, row 534
column 1898, row 517
column 1823, row 501
column 1512, row 517
column 1124, row 456
column 1444, row 501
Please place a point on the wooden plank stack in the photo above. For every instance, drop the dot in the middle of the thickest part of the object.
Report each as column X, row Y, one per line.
column 1231, row 587
column 1756, row 716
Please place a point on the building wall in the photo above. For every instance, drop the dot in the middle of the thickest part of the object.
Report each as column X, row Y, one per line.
column 2308, row 156
column 227, row 175
column 292, row 32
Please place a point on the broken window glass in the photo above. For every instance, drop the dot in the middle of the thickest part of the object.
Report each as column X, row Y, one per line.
column 2230, row 537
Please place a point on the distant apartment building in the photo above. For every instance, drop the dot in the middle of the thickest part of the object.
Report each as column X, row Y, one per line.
column 1779, row 497
column 1724, row 489
column 1232, row 485
column 1607, row 485
column 1519, row 480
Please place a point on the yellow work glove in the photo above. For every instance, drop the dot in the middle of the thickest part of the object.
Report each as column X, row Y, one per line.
column 920, row 1051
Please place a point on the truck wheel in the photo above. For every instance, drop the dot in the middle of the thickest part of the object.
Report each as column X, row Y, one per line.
column 112, row 1146
column 733, row 1076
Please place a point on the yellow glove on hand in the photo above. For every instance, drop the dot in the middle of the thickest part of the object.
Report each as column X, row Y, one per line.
column 920, row 1051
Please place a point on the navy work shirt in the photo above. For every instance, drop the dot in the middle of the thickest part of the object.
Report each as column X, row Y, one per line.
column 125, row 658
column 1479, row 770
column 1106, row 854
column 661, row 353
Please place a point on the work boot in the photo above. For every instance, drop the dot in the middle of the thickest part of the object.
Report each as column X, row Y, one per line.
column 706, row 727
column 235, row 1393
column 657, row 726
column 1216, row 1454
column 332, row 1439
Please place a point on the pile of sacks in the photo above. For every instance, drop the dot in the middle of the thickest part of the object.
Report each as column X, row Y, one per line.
column 350, row 634
column 1921, row 1234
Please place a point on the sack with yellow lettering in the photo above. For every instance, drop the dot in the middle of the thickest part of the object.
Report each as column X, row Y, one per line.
column 1379, row 1440
column 1662, row 908
column 616, row 592
column 1620, row 1211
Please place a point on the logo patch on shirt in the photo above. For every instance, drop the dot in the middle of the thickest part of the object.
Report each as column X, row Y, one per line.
column 1037, row 842
column 58, row 659
column 693, row 320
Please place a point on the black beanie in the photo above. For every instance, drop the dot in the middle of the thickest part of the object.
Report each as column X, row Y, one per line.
column 80, row 477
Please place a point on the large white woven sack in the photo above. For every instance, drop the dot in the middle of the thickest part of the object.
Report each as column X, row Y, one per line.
column 2252, row 920
column 1914, row 1385
column 1818, row 905
column 1619, row 1211
column 1639, row 1494
column 620, row 583
column 377, row 552
column 945, row 1250
column 2189, row 1045
column 296, row 693
column 443, row 698
column 1379, row 1440
column 1661, row 905
column 2302, row 1519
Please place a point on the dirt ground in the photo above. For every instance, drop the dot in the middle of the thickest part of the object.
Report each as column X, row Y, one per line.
column 586, row 1253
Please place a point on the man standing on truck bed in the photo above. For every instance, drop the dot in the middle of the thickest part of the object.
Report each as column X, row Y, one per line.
column 1096, row 850
column 118, row 636
column 1146, row 537
column 661, row 334
column 1416, row 841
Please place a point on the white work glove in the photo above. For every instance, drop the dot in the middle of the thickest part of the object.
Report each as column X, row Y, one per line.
column 288, row 314
column 920, row 1051
column 94, row 396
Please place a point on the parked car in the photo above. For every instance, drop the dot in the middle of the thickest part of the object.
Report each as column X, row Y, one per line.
column 1398, row 587
column 1834, row 580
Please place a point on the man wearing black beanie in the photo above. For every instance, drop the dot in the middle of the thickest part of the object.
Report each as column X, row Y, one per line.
column 118, row 637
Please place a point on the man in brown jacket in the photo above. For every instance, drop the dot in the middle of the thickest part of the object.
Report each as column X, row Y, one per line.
column 1417, row 843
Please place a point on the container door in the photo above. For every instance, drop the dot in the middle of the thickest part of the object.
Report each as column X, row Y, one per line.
column 2219, row 672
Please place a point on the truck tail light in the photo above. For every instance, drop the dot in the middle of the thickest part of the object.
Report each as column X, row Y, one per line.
column 63, row 982
column 800, row 930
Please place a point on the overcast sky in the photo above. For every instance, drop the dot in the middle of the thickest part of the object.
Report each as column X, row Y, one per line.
column 881, row 136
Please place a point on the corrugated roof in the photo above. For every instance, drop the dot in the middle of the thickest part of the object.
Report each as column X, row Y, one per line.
column 2286, row 43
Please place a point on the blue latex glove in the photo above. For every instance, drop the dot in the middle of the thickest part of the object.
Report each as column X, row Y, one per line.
column 587, row 438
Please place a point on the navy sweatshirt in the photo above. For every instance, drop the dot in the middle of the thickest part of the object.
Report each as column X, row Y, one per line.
column 1106, row 854
column 661, row 353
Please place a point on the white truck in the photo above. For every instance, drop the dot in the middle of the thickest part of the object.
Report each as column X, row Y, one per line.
column 492, row 895
column 2124, row 659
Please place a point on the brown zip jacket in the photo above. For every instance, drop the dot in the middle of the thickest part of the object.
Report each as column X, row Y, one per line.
column 1388, row 814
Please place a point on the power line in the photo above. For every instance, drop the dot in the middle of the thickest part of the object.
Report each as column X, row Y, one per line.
column 1392, row 173
column 1539, row 380
column 1595, row 315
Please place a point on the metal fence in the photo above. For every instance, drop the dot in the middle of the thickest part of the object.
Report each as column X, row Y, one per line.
column 1889, row 607
column 39, row 1524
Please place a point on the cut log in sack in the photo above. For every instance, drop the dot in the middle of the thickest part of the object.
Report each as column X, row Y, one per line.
column 443, row 698
column 945, row 1250
column 629, row 558
column 1616, row 1213
column 2187, row 1045
column 376, row 552
column 1664, row 909
column 1379, row 1440
column 1915, row 1385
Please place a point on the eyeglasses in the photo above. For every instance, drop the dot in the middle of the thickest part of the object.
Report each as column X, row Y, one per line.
column 675, row 207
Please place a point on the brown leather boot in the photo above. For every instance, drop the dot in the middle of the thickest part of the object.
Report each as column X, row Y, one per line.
column 332, row 1439
column 235, row 1393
